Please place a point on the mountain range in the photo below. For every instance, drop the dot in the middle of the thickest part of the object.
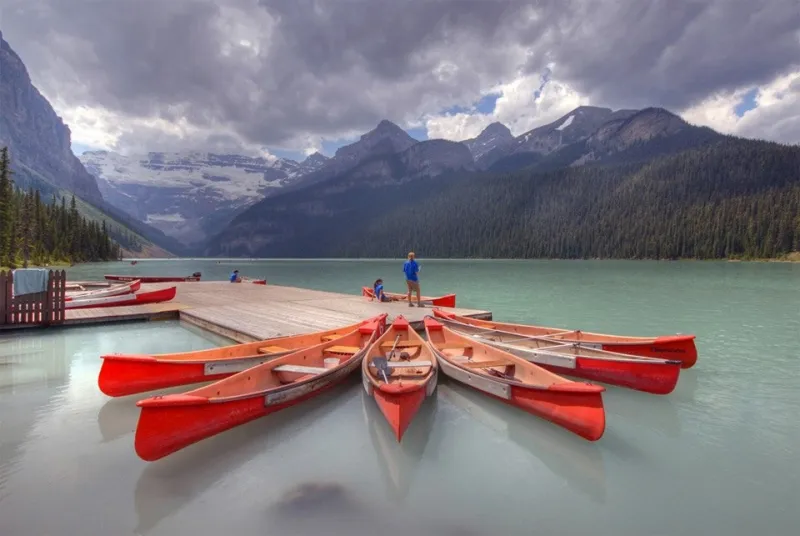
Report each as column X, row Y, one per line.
column 226, row 204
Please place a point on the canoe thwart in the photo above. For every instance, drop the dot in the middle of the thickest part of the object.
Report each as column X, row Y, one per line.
column 300, row 369
column 401, row 344
column 406, row 364
column 272, row 350
column 486, row 364
column 343, row 349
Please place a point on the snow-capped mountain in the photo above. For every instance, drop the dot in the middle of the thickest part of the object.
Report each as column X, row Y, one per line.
column 189, row 195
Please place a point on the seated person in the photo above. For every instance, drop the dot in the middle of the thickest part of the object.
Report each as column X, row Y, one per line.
column 234, row 278
column 377, row 289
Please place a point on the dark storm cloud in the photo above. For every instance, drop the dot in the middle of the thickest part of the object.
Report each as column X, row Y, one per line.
column 337, row 66
column 675, row 53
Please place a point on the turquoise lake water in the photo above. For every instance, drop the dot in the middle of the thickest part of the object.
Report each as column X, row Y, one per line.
column 720, row 455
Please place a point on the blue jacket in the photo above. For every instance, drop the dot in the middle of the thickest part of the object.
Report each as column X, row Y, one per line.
column 411, row 268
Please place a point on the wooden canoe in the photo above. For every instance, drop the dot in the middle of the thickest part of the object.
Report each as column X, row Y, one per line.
column 154, row 279
column 171, row 422
column 128, row 374
column 155, row 296
column 448, row 300
column 113, row 290
column 578, row 407
column 672, row 347
column 399, row 372
column 651, row 375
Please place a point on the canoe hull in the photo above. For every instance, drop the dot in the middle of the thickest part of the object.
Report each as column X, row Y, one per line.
column 650, row 375
column 654, row 378
column 127, row 374
column 124, row 375
column 399, row 409
column 183, row 420
column 401, row 397
column 172, row 422
column 448, row 300
column 581, row 414
column 679, row 347
column 671, row 347
column 573, row 406
column 156, row 296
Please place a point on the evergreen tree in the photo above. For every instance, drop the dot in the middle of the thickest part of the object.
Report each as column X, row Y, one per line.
column 31, row 231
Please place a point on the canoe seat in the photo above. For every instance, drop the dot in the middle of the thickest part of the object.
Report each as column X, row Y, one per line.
column 406, row 364
column 271, row 350
column 487, row 364
column 343, row 349
column 401, row 344
column 300, row 369
column 453, row 346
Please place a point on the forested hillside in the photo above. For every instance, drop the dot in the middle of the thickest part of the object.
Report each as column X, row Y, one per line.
column 738, row 198
column 42, row 233
column 733, row 198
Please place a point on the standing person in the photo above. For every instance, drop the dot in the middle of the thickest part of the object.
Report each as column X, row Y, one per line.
column 411, row 269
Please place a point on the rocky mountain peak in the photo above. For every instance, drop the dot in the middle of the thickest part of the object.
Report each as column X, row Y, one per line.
column 315, row 159
column 383, row 139
column 493, row 136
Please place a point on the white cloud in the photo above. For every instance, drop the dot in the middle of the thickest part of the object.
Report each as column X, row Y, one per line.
column 776, row 116
column 524, row 103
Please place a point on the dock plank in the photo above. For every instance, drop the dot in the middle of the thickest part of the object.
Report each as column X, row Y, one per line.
column 245, row 312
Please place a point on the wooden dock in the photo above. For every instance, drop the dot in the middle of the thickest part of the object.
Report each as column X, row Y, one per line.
column 246, row 312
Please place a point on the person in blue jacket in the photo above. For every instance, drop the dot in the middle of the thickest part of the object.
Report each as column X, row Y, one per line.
column 411, row 269
column 234, row 277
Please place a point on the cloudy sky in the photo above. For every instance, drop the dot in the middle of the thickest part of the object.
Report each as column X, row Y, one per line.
column 293, row 76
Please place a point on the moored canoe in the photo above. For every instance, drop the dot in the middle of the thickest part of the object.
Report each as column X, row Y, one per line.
column 113, row 290
column 399, row 372
column 154, row 279
column 448, row 300
column 575, row 406
column 650, row 375
column 672, row 347
column 155, row 296
column 128, row 374
column 171, row 422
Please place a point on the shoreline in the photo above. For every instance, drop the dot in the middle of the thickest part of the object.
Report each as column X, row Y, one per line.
column 790, row 258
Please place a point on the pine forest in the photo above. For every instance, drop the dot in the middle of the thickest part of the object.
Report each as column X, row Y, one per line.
column 36, row 232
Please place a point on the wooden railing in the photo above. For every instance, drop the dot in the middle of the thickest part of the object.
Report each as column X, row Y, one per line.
column 37, row 309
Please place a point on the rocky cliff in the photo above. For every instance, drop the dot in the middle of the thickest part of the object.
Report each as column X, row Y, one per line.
column 37, row 138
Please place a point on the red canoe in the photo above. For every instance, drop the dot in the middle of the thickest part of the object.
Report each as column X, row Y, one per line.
column 651, row 375
column 578, row 407
column 672, row 347
column 171, row 422
column 399, row 371
column 113, row 290
column 128, row 374
column 448, row 300
column 154, row 279
column 155, row 296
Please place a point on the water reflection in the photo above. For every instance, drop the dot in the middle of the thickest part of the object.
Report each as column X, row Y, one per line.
column 169, row 484
column 32, row 374
column 398, row 462
column 650, row 412
column 578, row 462
column 331, row 509
column 118, row 416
